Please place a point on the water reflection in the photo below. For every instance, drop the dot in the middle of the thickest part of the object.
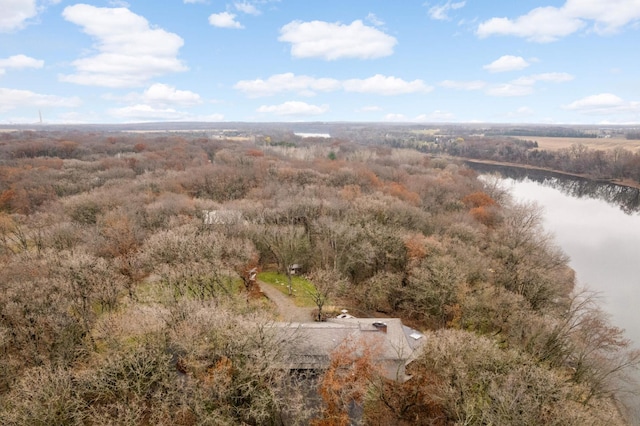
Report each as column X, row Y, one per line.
column 627, row 199
column 598, row 226
column 603, row 245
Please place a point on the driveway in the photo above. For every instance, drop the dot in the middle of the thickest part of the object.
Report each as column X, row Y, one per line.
column 288, row 311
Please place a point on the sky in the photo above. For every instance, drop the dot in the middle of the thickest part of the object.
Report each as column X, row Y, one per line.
column 440, row 61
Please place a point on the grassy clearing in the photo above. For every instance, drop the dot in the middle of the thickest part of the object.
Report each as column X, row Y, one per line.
column 301, row 287
column 554, row 144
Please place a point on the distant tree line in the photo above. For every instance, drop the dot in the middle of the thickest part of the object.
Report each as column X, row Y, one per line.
column 562, row 132
column 633, row 135
column 614, row 164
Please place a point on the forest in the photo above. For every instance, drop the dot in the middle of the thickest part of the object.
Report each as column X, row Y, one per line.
column 121, row 302
column 615, row 165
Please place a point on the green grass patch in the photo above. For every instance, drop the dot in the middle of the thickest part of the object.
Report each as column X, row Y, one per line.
column 300, row 286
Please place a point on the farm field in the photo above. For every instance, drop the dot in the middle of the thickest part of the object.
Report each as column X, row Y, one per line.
column 556, row 143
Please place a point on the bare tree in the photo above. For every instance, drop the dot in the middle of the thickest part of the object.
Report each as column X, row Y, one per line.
column 13, row 234
column 325, row 284
column 530, row 264
column 597, row 352
column 288, row 244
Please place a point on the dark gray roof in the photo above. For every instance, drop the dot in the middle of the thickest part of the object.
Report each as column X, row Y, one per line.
column 314, row 342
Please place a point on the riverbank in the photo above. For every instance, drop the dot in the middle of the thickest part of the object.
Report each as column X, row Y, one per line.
column 620, row 182
column 602, row 247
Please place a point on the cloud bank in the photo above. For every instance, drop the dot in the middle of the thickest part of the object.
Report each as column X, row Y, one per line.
column 129, row 50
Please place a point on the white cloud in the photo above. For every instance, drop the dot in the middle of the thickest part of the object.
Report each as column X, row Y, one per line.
column 160, row 95
column 603, row 104
column 15, row 14
column 209, row 117
column 287, row 82
column 246, row 7
column 607, row 15
column 12, row 98
column 435, row 116
column 331, row 41
column 19, row 62
column 552, row 77
column 294, row 108
column 386, row 85
column 441, row 12
column 396, row 118
column 547, row 24
column 224, row 20
column 524, row 85
column 543, row 24
column 130, row 51
column 194, row 1
column 507, row 63
column 509, row 89
column 142, row 112
column 374, row 20
column 463, row 85
column 308, row 86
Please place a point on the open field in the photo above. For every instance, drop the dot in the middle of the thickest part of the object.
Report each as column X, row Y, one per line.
column 553, row 143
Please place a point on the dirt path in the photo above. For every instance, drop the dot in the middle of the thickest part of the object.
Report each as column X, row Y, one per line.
column 289, row 312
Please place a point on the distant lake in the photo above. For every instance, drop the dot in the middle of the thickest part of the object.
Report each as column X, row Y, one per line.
column 313, row 135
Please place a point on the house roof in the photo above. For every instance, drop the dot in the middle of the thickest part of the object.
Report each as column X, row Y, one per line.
column 314, row 342
column 222, row 217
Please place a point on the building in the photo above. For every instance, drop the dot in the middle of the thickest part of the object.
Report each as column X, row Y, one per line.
column 392, row 344
column 222, row 217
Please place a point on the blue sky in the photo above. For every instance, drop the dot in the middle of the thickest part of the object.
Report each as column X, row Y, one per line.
column 504, row 61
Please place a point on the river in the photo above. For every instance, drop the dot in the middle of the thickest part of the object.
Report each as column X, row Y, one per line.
column 598, row 226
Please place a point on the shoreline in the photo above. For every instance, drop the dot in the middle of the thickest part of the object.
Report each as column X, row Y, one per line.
column 624, row 182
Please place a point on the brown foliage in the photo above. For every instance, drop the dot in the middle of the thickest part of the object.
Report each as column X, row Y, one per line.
column 345, row 382
column 140, row 146
column 484, row 215
column 412, row 403
column 255, row 153
column 118, row 236
column 416, row 246
column 400, row 191
column 482, row 208
column 350, row 192
column 478, row 199
column 6, row 199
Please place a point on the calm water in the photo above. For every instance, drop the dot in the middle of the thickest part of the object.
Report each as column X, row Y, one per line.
column 603, row 243
column 598, row 226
